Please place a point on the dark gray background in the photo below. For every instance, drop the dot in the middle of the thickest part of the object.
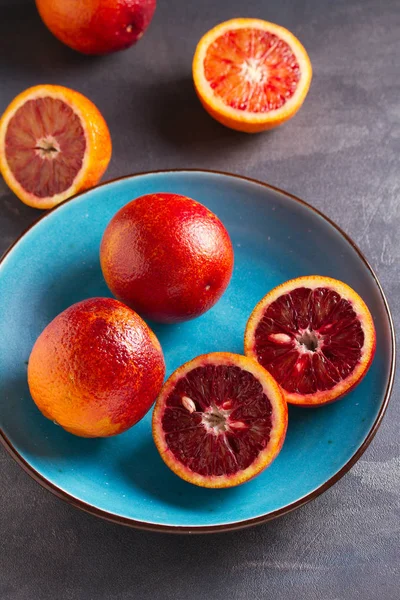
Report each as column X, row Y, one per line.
column 340, row 153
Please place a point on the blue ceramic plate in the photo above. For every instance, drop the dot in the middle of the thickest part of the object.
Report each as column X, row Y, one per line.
column 276, row 237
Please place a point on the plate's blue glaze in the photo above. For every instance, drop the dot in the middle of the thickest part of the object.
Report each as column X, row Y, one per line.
column 275, row 238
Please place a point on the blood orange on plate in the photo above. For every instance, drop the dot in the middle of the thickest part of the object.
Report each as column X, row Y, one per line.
column 250, row 74
column 315, row 335
column 54, row 143
column 220, row 420
column 166, row 256
column 96, row 369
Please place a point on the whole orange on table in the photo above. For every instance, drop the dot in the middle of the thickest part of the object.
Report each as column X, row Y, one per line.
column 167, row 256
column 97, row 26
column 54, row 142
column 96, row 368
column 250, row 74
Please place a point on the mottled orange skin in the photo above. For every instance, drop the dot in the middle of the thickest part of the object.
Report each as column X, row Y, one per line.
column 96, row 369
column 167, row 256
column 97, row 26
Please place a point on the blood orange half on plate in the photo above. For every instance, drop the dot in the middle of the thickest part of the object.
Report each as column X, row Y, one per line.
column 315, row 335
column 54, row 143
column 250, row 74
column 220, row 420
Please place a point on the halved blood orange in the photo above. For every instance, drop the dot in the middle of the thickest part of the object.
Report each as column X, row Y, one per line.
column 220, row 420
column 54, row 143
column 315, row 335
column 250, row 74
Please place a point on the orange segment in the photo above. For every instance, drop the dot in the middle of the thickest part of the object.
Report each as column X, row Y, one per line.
column 250, row 74
column 54, row 143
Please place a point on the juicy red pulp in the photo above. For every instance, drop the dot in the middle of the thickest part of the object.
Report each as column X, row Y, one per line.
column 309, row 340
column 217, row 420
column 251, row 69
column 45, row 146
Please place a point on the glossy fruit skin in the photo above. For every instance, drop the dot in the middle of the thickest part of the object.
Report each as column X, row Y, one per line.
column 97, row 26
column 96, row 369
column 167, row 257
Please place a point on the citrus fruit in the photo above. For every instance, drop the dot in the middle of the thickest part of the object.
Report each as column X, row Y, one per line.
column 167, row 257
column 250, row 74
column 96, row 368
column 315, row 335
column 219, row 420
column 53, row 143
column 97, row 26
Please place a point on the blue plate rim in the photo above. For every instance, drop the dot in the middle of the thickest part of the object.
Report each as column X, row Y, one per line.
column 158, row 527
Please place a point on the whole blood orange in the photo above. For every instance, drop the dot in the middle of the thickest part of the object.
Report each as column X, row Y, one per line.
column 96, row 369
column 54, row 143
column 315, row 335
column 220, row 420
column 250, row 74
column 97, row 26
column 166, row 256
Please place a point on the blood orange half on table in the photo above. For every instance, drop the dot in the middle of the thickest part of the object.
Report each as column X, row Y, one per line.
column 220, row 420
column 250, row 74
column 315, row 335
column 54, row 143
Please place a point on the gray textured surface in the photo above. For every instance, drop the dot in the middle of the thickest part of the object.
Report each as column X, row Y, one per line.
column 341, row 154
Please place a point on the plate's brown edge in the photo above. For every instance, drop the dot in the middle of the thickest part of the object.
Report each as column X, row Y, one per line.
column 247, row 522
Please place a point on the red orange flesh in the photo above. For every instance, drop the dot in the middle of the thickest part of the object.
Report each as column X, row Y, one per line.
column 96, row 368
column 53, row 143
column 219, row 420
column 315, row 335
column 167, row 256
column 250, row 74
